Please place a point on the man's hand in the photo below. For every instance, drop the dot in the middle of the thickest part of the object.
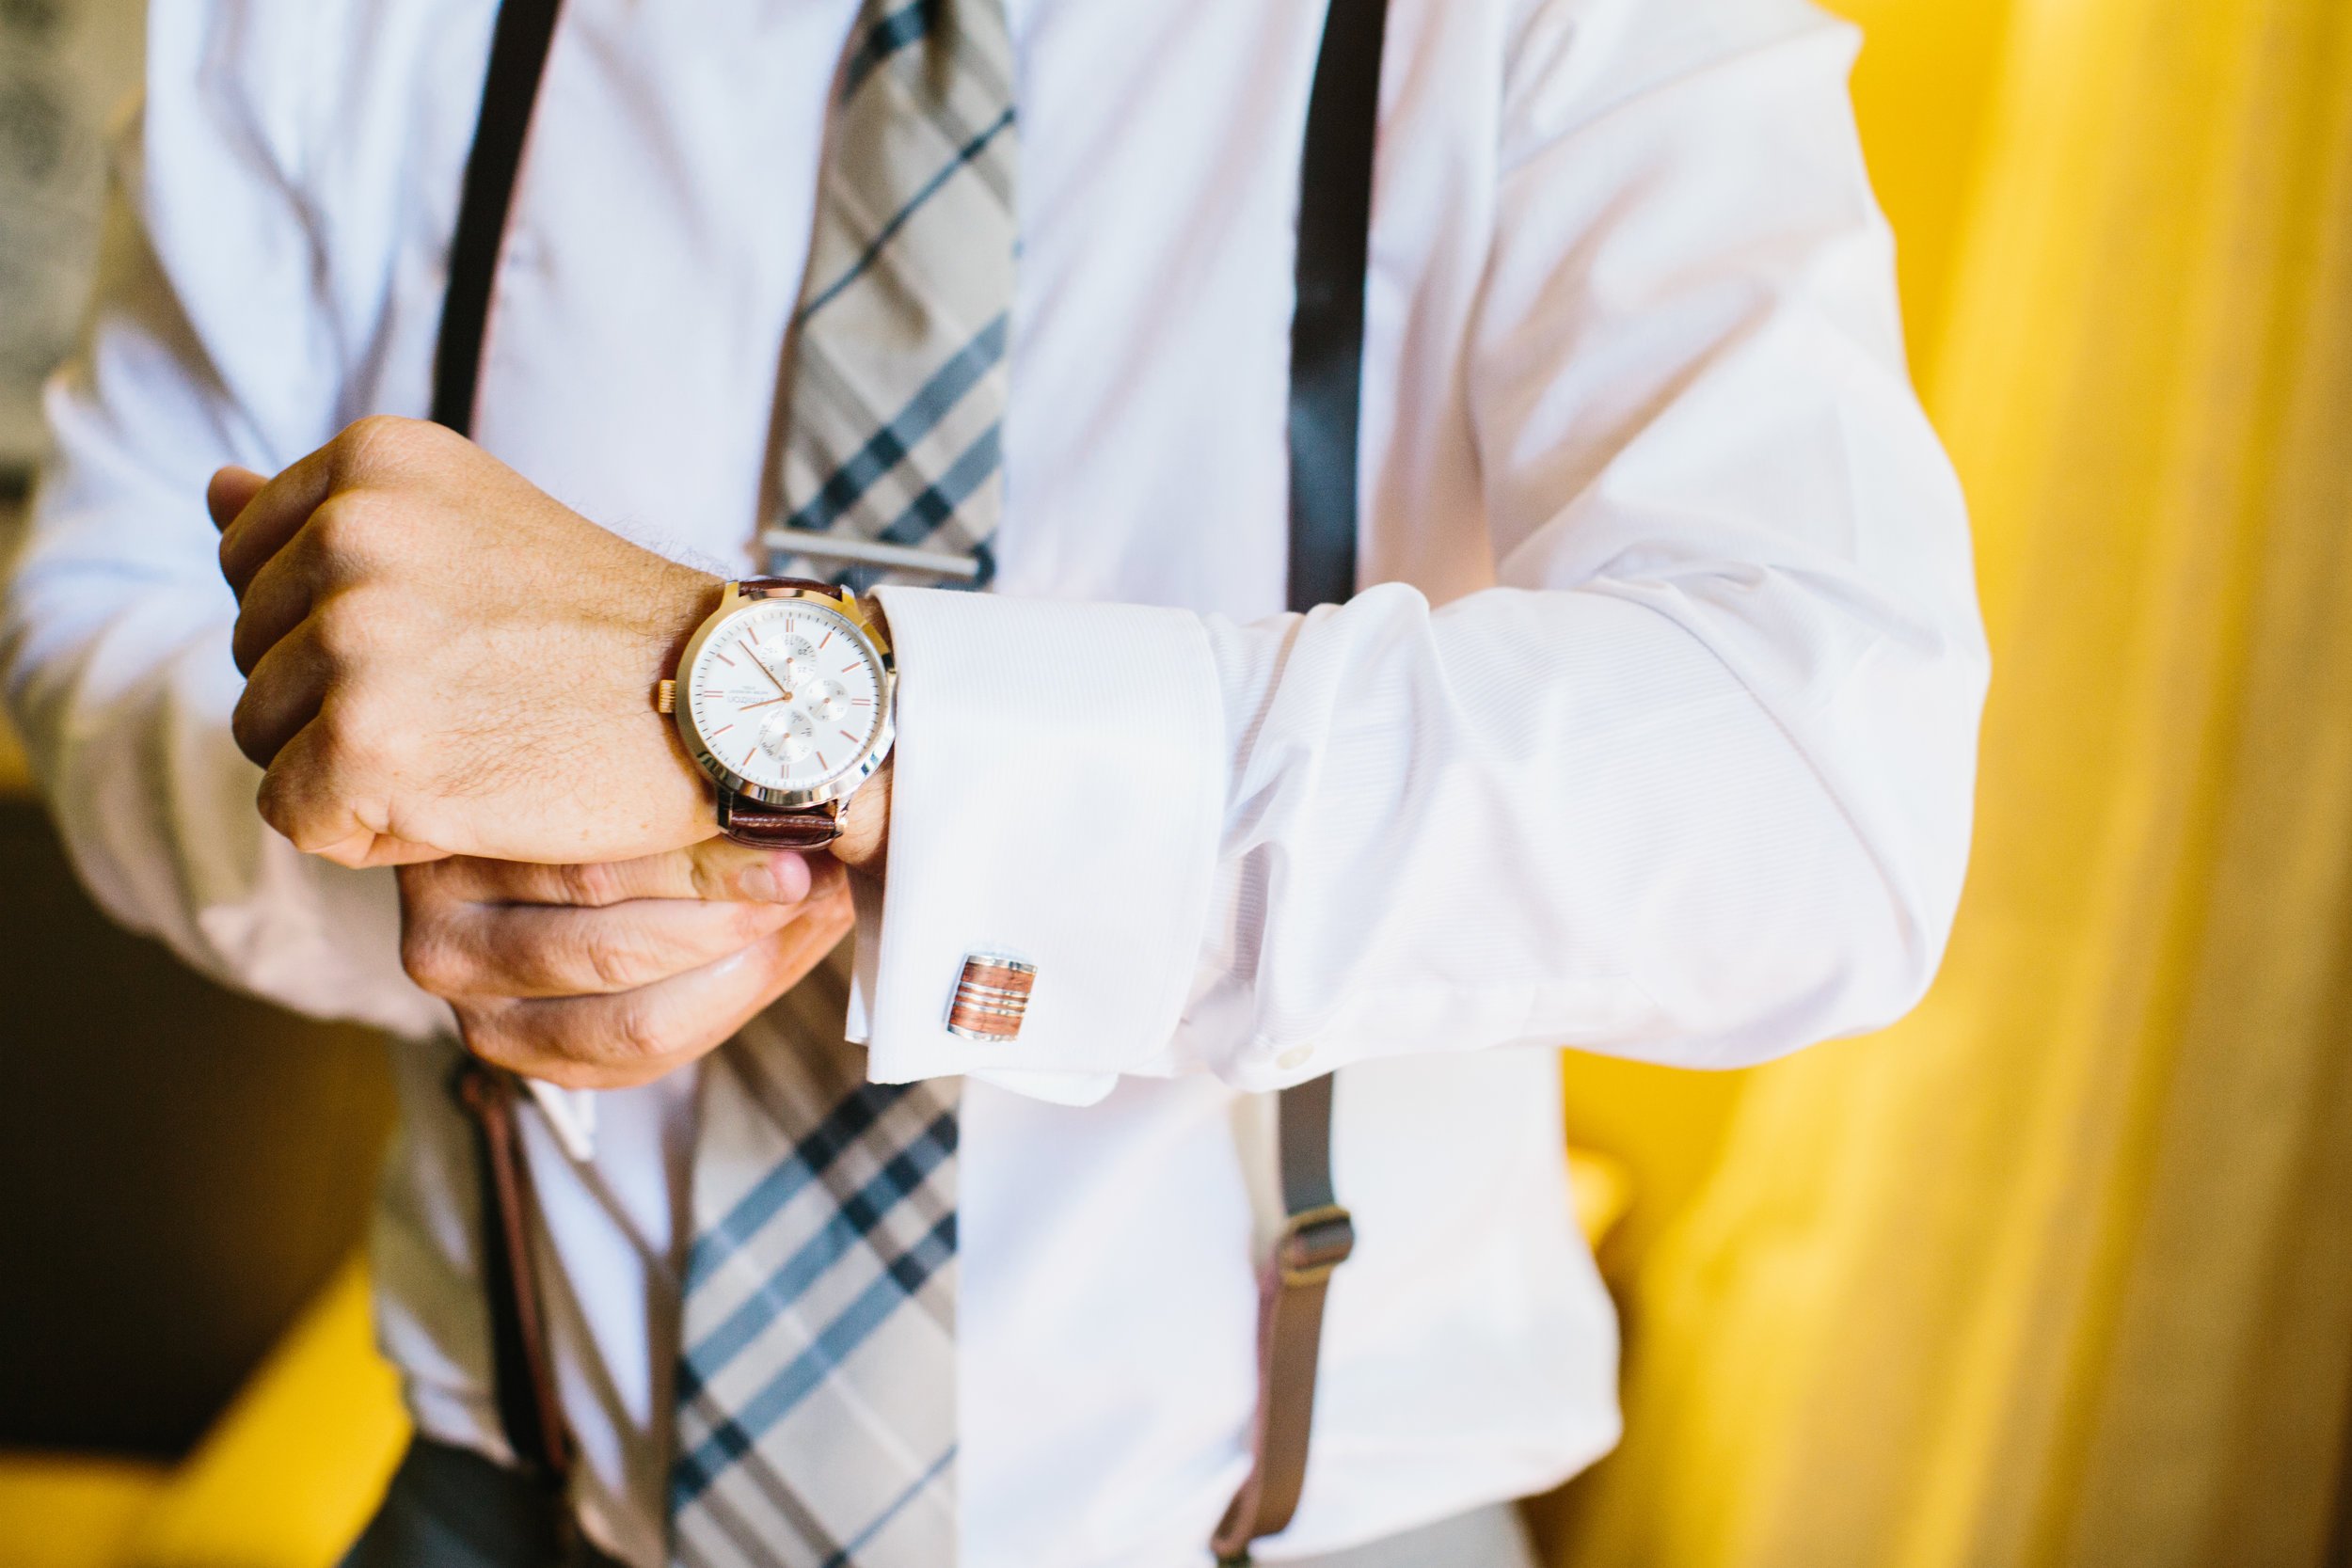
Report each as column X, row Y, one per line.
column 442, row 660
column 614, row 974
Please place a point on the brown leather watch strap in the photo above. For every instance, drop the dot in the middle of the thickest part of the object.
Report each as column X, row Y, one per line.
column 746, row 821
column 1317, row 1236
column 763, row 588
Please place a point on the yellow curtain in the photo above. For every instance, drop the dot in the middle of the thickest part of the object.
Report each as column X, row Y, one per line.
column 2059, row 1270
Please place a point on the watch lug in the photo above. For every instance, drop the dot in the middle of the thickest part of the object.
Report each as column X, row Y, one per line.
column 767, row 828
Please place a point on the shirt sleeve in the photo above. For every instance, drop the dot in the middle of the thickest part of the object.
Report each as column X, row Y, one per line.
column 1691, row 782
column 115, row 628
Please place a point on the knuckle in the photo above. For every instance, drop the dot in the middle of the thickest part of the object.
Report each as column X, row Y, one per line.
column 705, row 878
column 433, row 961
column 338, row 747
column 349, row 626
column 358, row 732
column 368, row 442
column 274, row 801
column 618, row 962
column 242, row 650
column 426, row 892
column 244, row 729
column 486, row 1034
column 636, row 1031
column 342, row 533
column 334, row 629
column 593, row 884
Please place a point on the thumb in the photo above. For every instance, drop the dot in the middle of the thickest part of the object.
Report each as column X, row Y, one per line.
column 721, row 869
column 231, row 491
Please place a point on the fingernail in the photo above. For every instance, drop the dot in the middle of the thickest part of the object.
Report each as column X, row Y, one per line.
column 780, row 879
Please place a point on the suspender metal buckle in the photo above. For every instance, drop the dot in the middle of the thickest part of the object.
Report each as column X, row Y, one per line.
column 1314, row 1243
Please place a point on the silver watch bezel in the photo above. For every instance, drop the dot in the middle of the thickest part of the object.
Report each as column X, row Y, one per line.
column 734, row 603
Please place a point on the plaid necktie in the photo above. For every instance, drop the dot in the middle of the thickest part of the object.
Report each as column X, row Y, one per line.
column 890, row 456
column 815, row 1385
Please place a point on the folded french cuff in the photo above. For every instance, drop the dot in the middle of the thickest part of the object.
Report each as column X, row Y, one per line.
column 1057, row 791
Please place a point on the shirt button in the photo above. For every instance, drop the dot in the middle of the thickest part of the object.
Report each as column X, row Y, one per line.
column 1297, row 1057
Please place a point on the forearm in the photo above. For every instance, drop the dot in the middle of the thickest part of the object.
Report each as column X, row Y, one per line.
column 1559, row 816
column 1564, row 816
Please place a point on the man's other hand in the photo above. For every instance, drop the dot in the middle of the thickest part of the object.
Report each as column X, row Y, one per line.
column 613, row 974
column 442, row 660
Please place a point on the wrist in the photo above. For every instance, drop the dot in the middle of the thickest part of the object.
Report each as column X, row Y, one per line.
column 683, row 600
column 866, row 819
column 676, row 607
column 773, row 797
column 865, row 839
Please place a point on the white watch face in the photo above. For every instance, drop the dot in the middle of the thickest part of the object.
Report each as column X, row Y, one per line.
column 787, row 695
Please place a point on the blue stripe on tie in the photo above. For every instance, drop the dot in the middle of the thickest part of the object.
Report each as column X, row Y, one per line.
column 918, row 418
column 734, row 1438
column 842, row 1558
column 884, row 39
column 859, row 1213
column 824, row 1144
column 964, row 154
column 933, row 507
column 939, row 498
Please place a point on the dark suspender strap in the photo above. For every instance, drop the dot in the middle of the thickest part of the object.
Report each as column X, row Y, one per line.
column 527, row 1407
column 519, row 55
column 1326, row 380
column 1328, row 328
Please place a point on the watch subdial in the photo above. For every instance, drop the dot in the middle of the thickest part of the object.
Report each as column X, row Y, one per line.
column 828, row 701
column 788, row 736
column 794, row 661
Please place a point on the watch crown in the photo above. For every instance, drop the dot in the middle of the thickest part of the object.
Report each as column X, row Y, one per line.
column 665, row 697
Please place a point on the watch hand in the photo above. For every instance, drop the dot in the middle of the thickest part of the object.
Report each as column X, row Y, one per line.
column 760, row 664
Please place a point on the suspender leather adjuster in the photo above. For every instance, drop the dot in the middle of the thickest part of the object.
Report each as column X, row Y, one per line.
column 1313, row 1243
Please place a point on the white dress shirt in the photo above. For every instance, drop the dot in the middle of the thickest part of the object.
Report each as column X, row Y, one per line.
column 1655, row 737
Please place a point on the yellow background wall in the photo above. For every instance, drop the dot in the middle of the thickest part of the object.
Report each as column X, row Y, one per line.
column 1923, row 91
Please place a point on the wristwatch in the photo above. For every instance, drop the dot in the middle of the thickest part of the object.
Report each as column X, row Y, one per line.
column 784, row 697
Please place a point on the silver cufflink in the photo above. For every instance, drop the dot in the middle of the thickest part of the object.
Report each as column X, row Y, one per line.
column 992, row 996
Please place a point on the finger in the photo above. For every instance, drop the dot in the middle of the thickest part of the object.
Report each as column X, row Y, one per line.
column 635, row 1038
column 378, row 447
column 818, row 929
column 231, row 491
column 282, row 696
column 712, row 869
column 330, row 802
column 278, row 599
column 602, row 1043
column 261, row 529
column 541, row 950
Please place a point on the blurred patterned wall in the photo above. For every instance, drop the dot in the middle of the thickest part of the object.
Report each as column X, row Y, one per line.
column 66, row 66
